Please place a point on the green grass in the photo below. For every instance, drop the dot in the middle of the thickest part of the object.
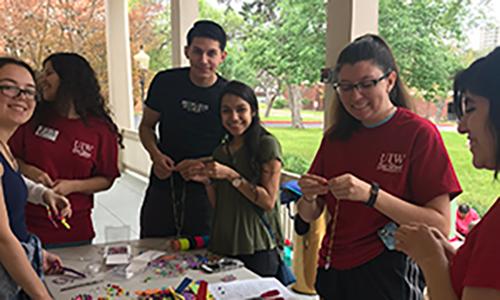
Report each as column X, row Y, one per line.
column 480, row 191
column 285, row 114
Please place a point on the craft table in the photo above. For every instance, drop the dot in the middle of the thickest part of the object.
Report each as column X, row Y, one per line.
column 89, row 260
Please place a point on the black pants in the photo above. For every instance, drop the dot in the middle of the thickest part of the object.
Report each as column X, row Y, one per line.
column 157, row 212
column 264, row 263
column 389, row 276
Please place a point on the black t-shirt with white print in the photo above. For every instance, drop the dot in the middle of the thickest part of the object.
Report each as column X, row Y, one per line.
column 190, row 124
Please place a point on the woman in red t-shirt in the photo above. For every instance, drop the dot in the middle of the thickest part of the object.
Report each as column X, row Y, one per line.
column 379, row 164
column 473, row 271
column 70, row 146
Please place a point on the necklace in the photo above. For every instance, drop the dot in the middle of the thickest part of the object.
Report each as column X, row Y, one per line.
column 178, row 205
column 332, row 234
column 8, row 155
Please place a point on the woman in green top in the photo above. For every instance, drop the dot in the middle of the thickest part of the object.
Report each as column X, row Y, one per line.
column 242, row 182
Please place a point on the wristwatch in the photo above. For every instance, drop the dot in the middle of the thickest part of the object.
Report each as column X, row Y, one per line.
column 236, row 182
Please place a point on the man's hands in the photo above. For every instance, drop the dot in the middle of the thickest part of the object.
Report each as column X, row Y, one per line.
column 163, row 165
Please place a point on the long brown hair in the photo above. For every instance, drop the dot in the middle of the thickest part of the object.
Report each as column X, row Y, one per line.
column 372, row 48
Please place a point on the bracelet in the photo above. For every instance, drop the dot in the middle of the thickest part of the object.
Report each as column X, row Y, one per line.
column 309, row 200
column 373, row 194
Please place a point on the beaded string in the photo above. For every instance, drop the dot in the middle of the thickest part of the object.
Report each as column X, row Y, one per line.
column 332, row 234
column 178, row 205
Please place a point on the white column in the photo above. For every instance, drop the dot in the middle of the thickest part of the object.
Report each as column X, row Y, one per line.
column 183, row 14
column 346, row 20
column 119, row 65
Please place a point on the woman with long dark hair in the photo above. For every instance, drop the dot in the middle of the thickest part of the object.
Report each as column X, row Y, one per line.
column 472, row 271
column 70, row 146
column 379, row 165
column 242, row 183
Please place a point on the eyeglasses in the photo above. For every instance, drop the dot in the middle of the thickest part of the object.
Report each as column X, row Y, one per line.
column 362, row 86
column 14, row 91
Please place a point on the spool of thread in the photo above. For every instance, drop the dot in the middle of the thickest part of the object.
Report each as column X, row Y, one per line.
column 199, row 242
column 176, row 246
column 192, row 242
column 184, row 244
column 195, row 242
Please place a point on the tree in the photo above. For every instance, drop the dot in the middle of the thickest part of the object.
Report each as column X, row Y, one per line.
column 287, row 41
column 425, row 36
column 32, row 30
column 236, row 65
column 149, row 25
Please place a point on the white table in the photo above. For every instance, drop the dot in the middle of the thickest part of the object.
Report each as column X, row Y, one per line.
column 89, row 259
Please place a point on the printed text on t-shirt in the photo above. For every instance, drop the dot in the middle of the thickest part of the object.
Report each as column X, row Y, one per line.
column 194, row 107
column 391, row 162
column 82, row 149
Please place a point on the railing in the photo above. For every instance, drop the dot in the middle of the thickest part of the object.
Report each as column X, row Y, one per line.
column 286, row 221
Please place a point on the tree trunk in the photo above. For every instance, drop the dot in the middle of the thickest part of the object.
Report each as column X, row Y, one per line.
column 270, row 103
column 294, row 97
column 440, row 105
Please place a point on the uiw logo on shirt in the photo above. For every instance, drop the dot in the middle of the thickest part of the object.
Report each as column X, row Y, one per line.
column 391, row 162
column 82, row 149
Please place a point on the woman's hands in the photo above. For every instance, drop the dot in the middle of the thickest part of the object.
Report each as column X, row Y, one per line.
column 65, row 186
column 313, row 186
column 349, row 187
column 52, row 264
column 36, row 174
column 343, row 187
column 59, row 204
column 202, row 170
column 424, row 244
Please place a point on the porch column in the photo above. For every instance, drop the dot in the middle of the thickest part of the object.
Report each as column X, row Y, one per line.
column 346, row 20
column 119, row 65
column 183, row 14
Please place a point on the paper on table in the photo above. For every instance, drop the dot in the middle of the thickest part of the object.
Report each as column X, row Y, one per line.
column 250, row 288
column 141, row 261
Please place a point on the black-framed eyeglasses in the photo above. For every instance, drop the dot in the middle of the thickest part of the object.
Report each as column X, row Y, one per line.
column 14, row 91
column 365, row 85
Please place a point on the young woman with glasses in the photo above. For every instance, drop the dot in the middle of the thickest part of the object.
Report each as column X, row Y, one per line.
column 378, row 163
column 22, row 260
column 472, row 271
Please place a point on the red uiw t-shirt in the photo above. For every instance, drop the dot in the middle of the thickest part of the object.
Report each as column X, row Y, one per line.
column 406, row 156
column 67, row 149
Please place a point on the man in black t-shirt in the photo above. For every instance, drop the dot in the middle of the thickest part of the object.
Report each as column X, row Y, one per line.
column 185, row 103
